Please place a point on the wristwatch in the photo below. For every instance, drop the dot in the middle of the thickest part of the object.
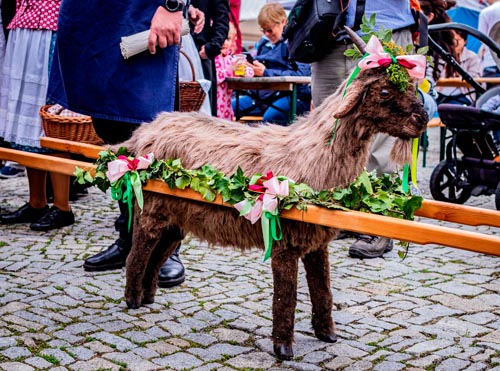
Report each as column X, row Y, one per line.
column 174, row 5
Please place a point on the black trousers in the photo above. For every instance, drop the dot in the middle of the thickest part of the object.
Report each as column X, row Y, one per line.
column 114, row 132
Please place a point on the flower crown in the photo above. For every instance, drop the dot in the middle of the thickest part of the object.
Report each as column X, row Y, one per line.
column 381, row 52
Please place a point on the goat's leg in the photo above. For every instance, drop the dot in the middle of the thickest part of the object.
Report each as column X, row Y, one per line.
column 285, row 267
column 143, row 245
column 318, row 279
column 170, row 239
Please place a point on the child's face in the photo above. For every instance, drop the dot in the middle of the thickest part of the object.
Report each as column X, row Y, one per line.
column 459, row 43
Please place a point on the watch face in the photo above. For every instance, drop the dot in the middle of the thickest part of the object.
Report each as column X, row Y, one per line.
column 173, row 5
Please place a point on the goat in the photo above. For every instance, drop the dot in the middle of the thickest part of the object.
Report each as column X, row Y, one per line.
column 370, row 105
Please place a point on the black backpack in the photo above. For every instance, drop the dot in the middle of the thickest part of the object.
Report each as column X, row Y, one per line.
column 316, row 26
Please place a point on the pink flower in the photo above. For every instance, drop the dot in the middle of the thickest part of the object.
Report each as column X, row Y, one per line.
column 118, row 167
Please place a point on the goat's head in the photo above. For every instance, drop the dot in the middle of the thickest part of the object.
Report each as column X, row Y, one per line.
column 373, row 99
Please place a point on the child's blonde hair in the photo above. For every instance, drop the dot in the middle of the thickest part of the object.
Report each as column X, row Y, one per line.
column 271, row 13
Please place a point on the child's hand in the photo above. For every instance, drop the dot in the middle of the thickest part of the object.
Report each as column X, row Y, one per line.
column 202, row 53
column 258, row 68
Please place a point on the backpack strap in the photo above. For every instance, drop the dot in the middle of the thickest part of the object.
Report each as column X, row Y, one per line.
column 360, row 10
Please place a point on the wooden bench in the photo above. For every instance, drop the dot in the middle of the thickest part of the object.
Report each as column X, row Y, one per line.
column 411, row 231
column 246, row 119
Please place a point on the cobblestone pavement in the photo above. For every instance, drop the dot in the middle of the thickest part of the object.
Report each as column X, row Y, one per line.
column 439, row 309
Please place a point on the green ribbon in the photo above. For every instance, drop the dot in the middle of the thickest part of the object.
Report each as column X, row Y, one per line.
column 270, row 227
column 137, row 186
column 406, row 170
column 353, row 75
column 124, row 189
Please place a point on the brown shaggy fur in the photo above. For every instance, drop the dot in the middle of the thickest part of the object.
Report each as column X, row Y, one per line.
column 300, row 152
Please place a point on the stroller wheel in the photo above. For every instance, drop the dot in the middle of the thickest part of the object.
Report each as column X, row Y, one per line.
column 450, row 184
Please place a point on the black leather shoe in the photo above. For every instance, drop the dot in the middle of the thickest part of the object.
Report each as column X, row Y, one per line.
column 53, row 219
column 172, row 271
column 113, row 257
column 25, row 214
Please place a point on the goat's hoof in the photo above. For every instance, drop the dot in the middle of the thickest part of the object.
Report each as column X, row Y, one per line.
column 327, row 338
column 133, row 303
column 284, row 352
column 148, row 300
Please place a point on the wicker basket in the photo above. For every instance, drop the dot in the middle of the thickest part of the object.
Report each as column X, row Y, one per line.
column 77, row 129
column 191, row 92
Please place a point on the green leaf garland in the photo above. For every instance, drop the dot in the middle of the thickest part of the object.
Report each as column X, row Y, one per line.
column 382, row 195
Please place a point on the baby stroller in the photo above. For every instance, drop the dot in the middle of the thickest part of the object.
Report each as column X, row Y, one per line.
column 472, row 159
column 472, row 163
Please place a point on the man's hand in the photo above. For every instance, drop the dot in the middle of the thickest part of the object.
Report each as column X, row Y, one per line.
column 165, row 29
column 258, row 68
column 197, row 18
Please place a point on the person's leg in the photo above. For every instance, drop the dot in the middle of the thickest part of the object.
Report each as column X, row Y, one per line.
column 114, row 257
column 60, row 214
column 245, row 102
column 172, row 272
column 328, row 73
column 37, row 206
column 209, row 74
column 37, row 182
column 277, row 112
column 113, row 132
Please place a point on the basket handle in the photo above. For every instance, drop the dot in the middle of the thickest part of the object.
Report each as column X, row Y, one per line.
column 190, row 63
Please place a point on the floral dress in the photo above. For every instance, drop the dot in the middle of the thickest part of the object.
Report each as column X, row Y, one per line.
column 224, row 68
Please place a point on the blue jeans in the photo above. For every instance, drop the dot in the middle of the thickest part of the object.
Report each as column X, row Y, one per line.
column 276, row 113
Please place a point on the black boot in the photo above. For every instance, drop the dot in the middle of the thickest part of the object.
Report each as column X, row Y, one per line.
column 115, row 256
column 172, row 271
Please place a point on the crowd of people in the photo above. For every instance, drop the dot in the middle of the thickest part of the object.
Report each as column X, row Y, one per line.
column 67, row 52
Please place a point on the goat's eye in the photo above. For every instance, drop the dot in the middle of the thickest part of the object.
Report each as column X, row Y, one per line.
column 384, row 94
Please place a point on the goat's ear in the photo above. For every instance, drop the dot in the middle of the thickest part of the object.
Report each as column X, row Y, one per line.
column 352, row 96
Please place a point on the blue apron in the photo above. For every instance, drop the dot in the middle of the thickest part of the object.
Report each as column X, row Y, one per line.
column 89, row 74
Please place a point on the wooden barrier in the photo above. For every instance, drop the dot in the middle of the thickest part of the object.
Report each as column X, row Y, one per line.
column 459, row 82
column 411, row 231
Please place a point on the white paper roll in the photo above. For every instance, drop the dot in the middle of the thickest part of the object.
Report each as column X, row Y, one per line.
column 138, row 43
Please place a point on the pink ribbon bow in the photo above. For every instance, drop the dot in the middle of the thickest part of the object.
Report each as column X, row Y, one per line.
column 378, row 57
column 274, row 188
column 118, row 167
column 268, row 201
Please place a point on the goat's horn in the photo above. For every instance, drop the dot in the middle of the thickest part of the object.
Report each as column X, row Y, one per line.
column 358, row 41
